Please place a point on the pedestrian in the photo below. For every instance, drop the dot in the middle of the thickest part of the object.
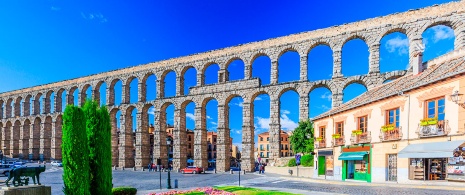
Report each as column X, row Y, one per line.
column 264, row 165
column 150, row 167
column 260, row 168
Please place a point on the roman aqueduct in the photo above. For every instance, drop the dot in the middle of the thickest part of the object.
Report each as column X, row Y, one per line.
column 36, row 133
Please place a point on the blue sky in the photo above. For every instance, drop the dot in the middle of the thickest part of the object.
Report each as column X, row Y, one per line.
column 49, row 41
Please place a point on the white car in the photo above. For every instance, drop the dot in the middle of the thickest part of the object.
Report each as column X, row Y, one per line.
column 57, row 163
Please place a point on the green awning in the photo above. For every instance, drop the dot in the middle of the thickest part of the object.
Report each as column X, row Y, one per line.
column 352, row 155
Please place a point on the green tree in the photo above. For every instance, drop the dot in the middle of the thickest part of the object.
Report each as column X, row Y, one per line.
column 99, row 140
column 75, row 152
column 299, row 141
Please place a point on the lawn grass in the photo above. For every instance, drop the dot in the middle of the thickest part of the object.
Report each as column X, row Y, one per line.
column 249, row 191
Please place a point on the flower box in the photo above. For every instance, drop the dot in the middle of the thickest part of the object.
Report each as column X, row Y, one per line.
column 337, row 135
column 357, row 132
column 428, row 121
column 387, row 128
column 319, row 139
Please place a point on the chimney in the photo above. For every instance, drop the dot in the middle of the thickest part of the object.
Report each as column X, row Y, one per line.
column 417, row 63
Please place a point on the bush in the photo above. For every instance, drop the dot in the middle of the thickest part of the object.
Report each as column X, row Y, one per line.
column 307, row 160
column 291, row 163
column 124, row 191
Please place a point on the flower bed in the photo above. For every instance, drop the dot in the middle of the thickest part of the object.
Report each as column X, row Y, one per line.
column 204, row 190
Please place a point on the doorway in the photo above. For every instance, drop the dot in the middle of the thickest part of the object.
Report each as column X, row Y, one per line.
column 321, row 165
column 392, row 167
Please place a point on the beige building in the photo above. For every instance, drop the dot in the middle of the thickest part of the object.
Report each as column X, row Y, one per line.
column 411, row 128
column 235, row 153
column 264, row 146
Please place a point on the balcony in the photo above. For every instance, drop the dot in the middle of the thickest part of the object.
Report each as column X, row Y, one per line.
column 433, row 128
column 339, row 141
column 360, row 138
column 390, row 134
column 320, row 143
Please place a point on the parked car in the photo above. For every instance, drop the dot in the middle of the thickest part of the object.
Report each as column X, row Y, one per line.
column 57, row 163
column 5, row 169
column 192, row 169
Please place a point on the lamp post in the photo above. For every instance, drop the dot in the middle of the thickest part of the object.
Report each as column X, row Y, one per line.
column 168, row 143
column 457, row 97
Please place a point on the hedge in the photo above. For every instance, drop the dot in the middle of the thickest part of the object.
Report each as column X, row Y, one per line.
column 307, row 160
column 124, row 191
column 291, row 163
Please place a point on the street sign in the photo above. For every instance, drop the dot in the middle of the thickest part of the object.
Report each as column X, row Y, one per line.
column 297, row 159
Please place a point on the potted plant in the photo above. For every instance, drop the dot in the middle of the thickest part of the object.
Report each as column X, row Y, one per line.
column 337, row 135
column 357, row 132
column 388, row 127
column 319, row 139
column 424, row 122
column 432, row 121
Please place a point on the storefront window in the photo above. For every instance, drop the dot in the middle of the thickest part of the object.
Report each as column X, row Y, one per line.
column 456, row 165
column 360, row 166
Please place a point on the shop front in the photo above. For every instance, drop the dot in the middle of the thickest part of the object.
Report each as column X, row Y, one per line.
column 356, row 163
column 325, row 163
column 436, row 160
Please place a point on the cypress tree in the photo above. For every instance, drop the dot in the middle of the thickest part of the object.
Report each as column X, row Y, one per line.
column 99, row 139
column 75, row 152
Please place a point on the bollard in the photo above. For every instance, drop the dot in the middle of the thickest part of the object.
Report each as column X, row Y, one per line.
column 143, row 168
column 214, row 171
column 122, row 168
column 134, row 168
column 244, row 172
column 231, row 171
column 114, row 167
column 176, row 183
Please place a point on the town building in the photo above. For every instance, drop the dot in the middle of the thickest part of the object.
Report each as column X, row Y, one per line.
column 411, row 128
column 264, row 146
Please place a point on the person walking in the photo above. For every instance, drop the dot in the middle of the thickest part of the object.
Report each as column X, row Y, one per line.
column 150, row 167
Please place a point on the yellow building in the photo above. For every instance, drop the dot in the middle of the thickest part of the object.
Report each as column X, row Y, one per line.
column 411, row 128
column 264, row 146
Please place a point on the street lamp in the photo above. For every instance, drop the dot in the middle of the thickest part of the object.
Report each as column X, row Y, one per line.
column 168, row 143
column 457, row 97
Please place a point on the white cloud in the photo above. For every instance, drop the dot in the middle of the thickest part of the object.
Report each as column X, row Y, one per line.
column 398, row 44
column 287, row 124
column 262, row 123
column 53, row 8
column 327, row 95
column 151, row 111
column 236, row 131
column 258, row 98
column 208, row 117
column 285, row 112
column 442, row 32
column 238, row 104
column 324, row 107
column 213, row 123
column 92, row 16
column 190, row 116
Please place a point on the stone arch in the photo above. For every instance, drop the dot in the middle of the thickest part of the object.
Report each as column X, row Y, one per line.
column 57, row 134
column 35, row 137
column 445, row 22
column 15, row 138
column 182, row 84
column 46, row 139
column 127, row 90
column 112, row 96
column 48, row 101
column 268, row 66
column 392, row 76
column 399, row 29
column 145, row 90
column 288, row 48
column 24, row 142
column 59, row 100
column 318, row 43
column 240, row 71
column 115, row 132
column 6, row 139
column 83, row 93
column 355, row 79
column 96, row 93
column 71, row 98
column 9, row 108
column 27, row 105
column 204, row 69
column 353, row 36
column 162, row 84
column 37, row 103
column 18, row 105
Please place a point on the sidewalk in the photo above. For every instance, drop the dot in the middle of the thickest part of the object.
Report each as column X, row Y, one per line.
column 439, row 185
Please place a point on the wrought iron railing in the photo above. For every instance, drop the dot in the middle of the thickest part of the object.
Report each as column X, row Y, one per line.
column 390, row 135
column 320, row 144
column 441, row 128
column 340, row 141
column 362, row 138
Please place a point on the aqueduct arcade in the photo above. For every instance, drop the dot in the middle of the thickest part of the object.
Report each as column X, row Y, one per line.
column 31, row 129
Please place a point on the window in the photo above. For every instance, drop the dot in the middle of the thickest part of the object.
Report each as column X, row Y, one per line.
column 261, row 146
column 214, row 140
column 261, row 138
column 286, row 147
column 267, row 154
column 189, row 146
column 281, row 147
column 268, row 139
column 322, row 131
column 340, row 128
column 282, row 138
column 261, row 154
column 267, row 146
column 189, row 138
column 392, row 116
column 435, row 108
column 362, row 123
